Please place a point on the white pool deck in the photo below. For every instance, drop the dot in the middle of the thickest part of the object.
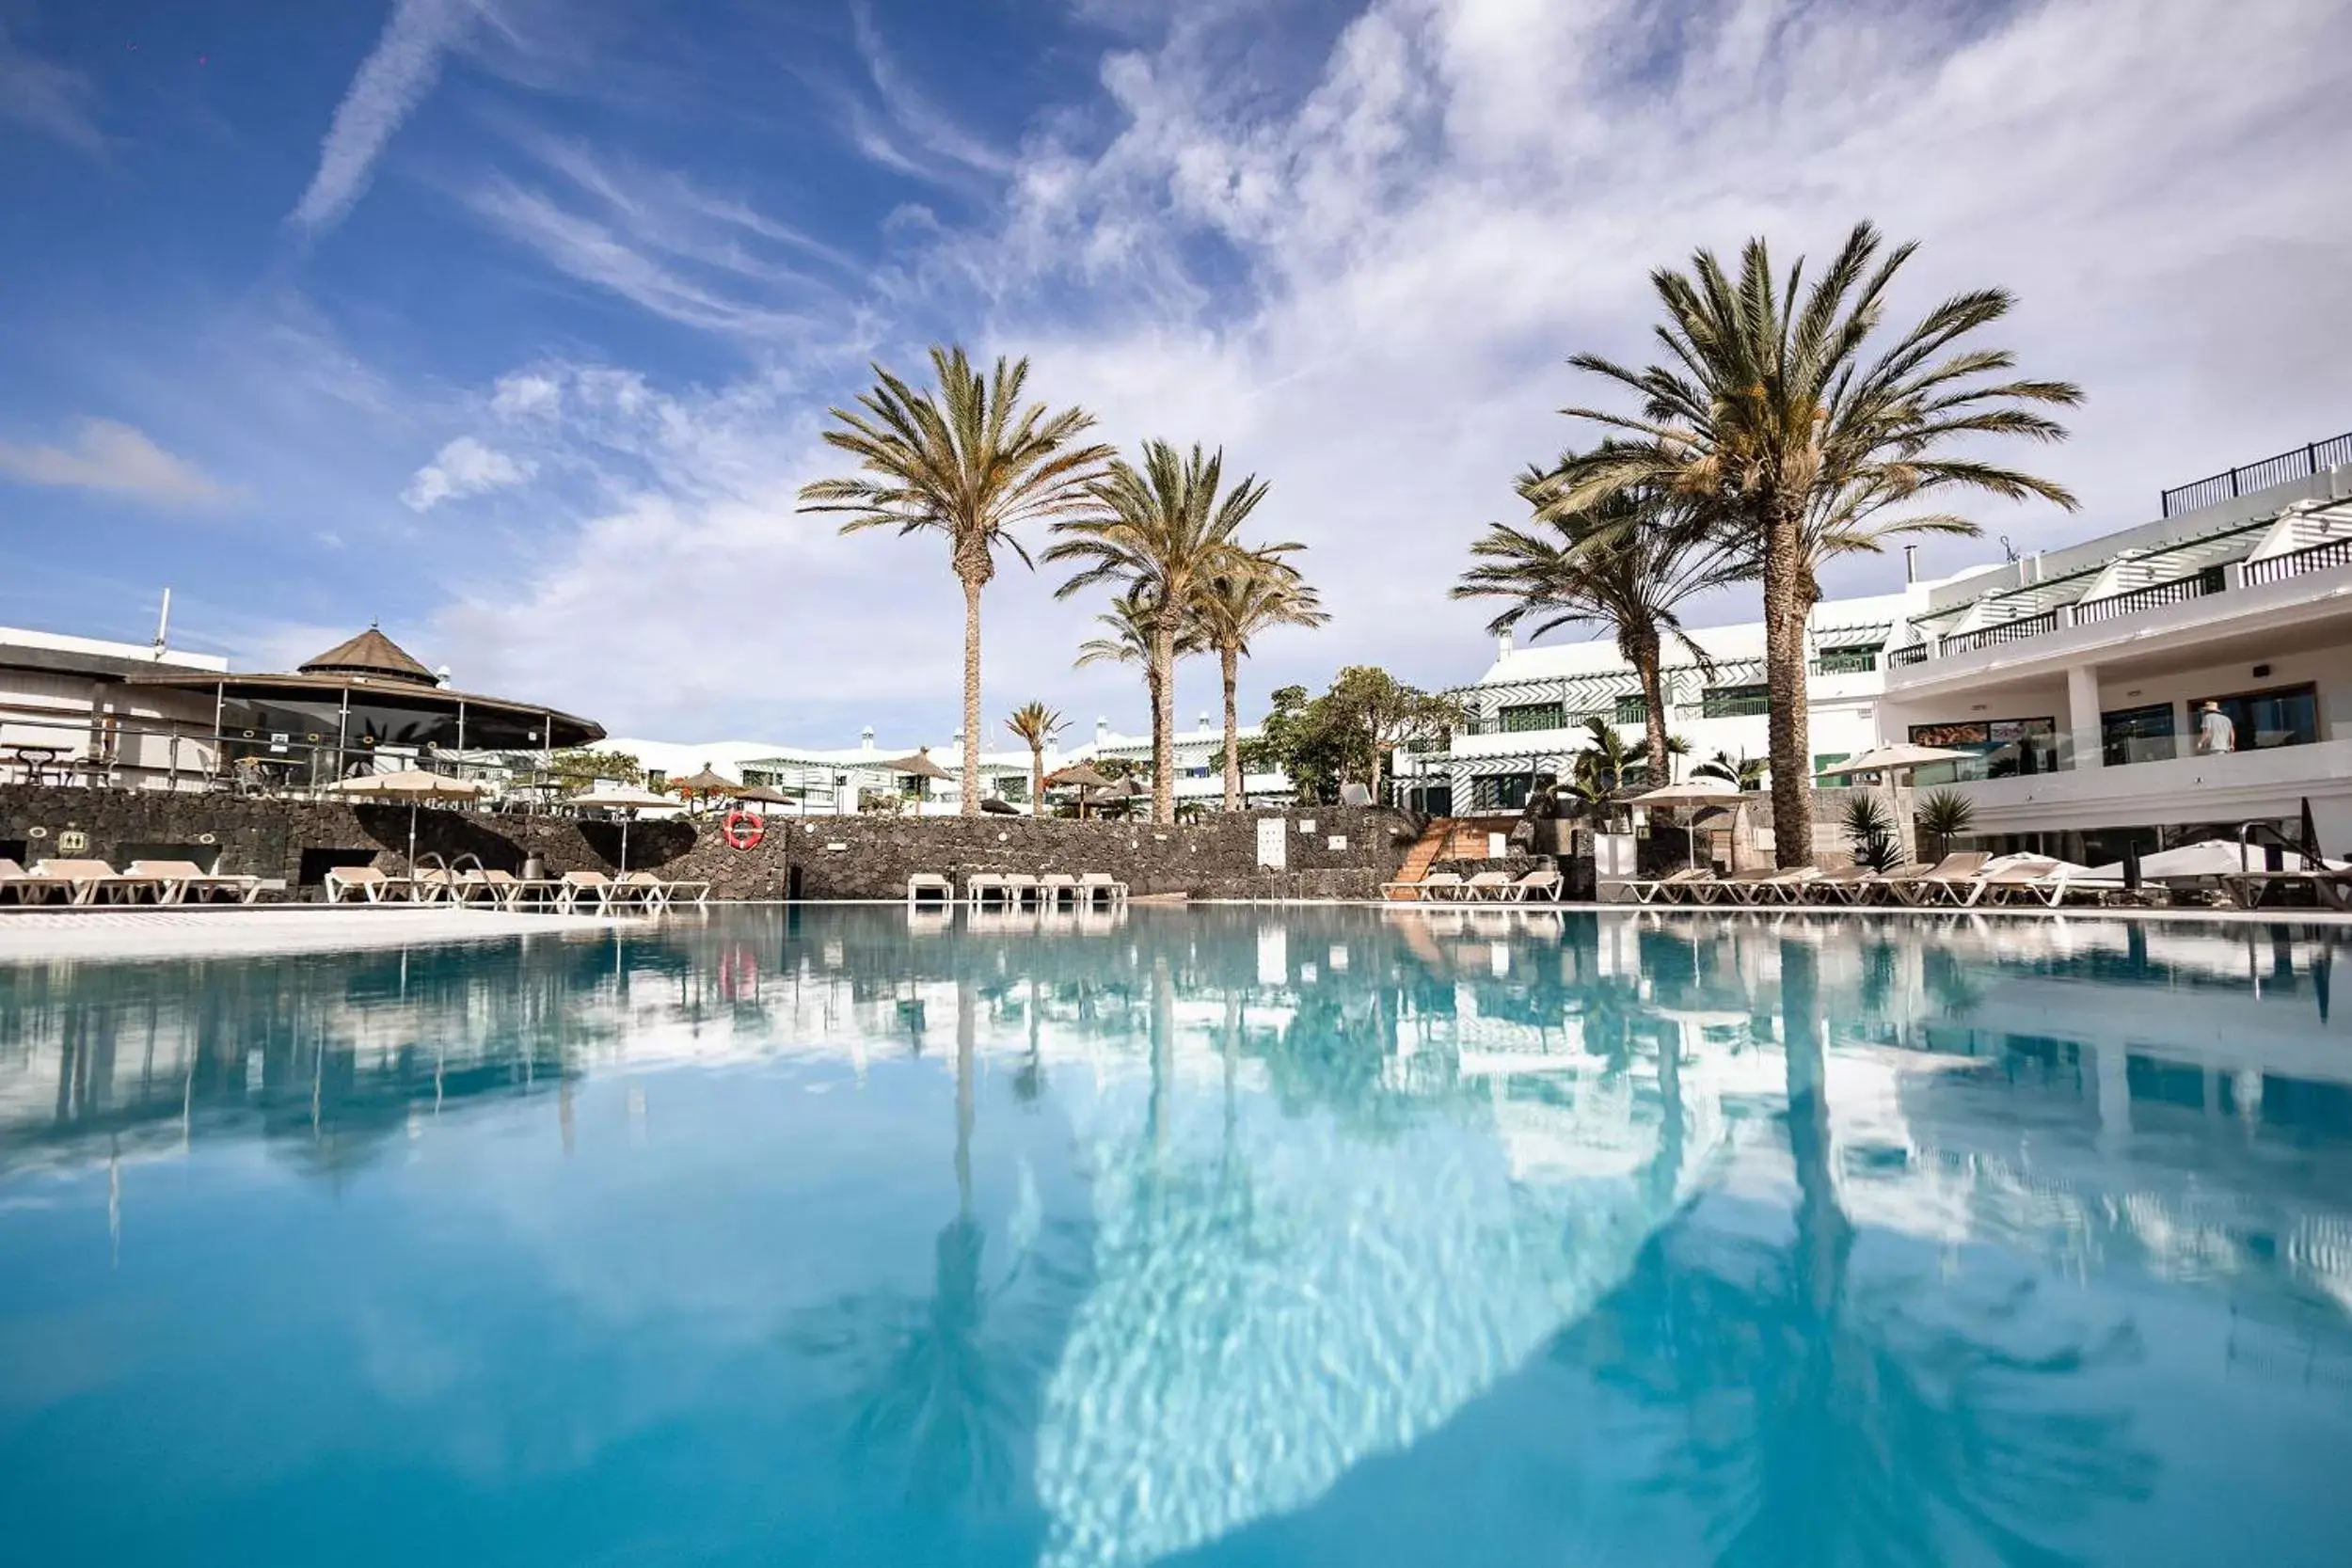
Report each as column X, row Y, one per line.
column 46, row 934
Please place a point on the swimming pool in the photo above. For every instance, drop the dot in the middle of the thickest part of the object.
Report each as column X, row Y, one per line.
column 1218, row 1236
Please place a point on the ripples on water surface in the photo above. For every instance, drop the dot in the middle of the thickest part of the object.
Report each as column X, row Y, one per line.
column 1214, row 1237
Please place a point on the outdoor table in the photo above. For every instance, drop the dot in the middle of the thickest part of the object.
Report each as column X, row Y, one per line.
column 33, row 761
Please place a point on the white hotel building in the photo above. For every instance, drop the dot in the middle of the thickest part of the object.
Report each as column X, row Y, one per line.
column 2072, row 676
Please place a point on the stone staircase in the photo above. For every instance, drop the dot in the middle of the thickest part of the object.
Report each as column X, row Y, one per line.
column 1434, row 844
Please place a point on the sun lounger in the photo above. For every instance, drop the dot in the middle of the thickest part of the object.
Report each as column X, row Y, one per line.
column 1438, row 887
column 1956, row 880
column 1673, row 888
column 2050, row 888
column 1020, row 889
column 96, row 882
column 1740, row 887
column 1101, row 886
column 641, row 889
column 1058, row 889
column 362, row 884
column 1545, row 885
column 186, row 882
column 983, row 888
column 1781, row 887
column 1845, row 884
column 929, row 887
column 1484, row 885
column 20, row 886
column 591, row 888
column 499, row 889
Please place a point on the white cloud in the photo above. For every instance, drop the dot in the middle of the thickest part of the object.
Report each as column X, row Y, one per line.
column 391, row 82
column 1366, row 291
column 464, row 467
column 116, row 459
column 47, row 97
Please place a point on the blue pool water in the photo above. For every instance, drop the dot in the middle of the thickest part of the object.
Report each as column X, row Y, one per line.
column 1202, row 1236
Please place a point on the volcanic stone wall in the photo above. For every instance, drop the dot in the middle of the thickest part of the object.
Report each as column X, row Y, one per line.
column 1331, row 852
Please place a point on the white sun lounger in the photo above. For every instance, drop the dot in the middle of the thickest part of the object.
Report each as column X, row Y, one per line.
column 929, row 887
column 96, row 882
column 1100, row 886
column 186, row 882
column 20, row 886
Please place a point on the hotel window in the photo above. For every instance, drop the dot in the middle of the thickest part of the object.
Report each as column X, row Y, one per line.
column 2138, row 734
column 1735, row 702
column 1845, row 661
column 2288, row 716
column 1508, row 793
column 2000, row 748
column 1632, row 710
column 1827, row 759
column 1532, row 716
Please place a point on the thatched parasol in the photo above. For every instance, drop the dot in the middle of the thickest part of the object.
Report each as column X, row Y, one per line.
column 1077, row 775
column 707, row 783
column 766, row 796
column 920, row 764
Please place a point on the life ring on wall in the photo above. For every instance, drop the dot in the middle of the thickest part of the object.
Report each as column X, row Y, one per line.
column 743, row 830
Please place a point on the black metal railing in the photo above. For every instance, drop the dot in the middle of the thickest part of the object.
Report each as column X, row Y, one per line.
column 1860, row 663
column 1915, row 654
column 2299, row 463
column 2315, row 558
column 2170, row 590
column 2007, row 631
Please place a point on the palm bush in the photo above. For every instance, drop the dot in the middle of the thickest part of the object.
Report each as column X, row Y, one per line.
column 1869, row 826
column 1036, row 725
column 1944, row 815
column 1775, row 420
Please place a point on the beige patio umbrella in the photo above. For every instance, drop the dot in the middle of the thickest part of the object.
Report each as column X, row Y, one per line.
column 920, row 765
column 623, row 798
column 1900, row 758
column 412, row 785
column 1691, row 792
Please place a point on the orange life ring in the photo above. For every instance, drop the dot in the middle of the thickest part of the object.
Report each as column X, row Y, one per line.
column 743, row 830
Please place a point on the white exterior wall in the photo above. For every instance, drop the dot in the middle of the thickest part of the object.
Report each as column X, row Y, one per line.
column 84, row 711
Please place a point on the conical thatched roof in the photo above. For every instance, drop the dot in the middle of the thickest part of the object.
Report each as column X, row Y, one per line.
column 371, row 655
column 920, row 764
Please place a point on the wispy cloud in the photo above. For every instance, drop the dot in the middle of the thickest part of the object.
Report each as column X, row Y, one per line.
column 391, row 82
column 47, row 97
column 697, row 257
column 464, row 467
column 917, row 136
column 117, row 459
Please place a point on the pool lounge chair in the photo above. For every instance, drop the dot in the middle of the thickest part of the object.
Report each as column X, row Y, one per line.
column 981, row 888
column 1102, row 886
column 1675, row 887
column 363, row 885
column 592, row 888
column 2047, row 886
column 96, row 882
column 1740, row 887
column 640, row 889
column 1059, row 889
column 20, row 886
column 1955, row 882
column 186, row 882
column 1020, row 889
column 1842, row 884
column 1485, row 885
column 1543, row 885
column 1439, row 887
column 926, row 888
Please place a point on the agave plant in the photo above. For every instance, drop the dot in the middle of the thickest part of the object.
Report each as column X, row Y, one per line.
column 1870, row 830
column 1943, row 816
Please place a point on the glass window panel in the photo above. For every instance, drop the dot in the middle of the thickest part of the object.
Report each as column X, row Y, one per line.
column 2262, row 719
column 2145, row 733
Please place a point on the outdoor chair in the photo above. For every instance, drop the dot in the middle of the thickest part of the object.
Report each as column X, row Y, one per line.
column 981, row 888
column 1059, row 889
column 186, row 882
column 697, row 893
column 640, row 889
column 1956, row 882
column 592, row 888
column 1784, row 887
column 1673, row 888
column 1844, row 885
column 1485, row 885
column 96, row 882
column 928, row 887
column 359, row 884
column 480, row 885
column 2049, row 887
column 1738, row 888
column 1020, row 889
column 1101, row 886
column 1545, row 885
column 20, row 886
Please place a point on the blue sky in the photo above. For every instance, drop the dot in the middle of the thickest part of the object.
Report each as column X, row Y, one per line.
column 512, row 322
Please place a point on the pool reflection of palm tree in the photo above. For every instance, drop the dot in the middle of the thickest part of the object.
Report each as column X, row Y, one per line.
column 935, row 1379
column 1828, row 1422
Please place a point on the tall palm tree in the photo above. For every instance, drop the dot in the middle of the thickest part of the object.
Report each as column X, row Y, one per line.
column 1743, row 771
column 1036, row 725
column 1255, row 594
column 968, row 462
column 1626, row 563
column 1164, row 529
column 1775, row 418
column 1133, row 621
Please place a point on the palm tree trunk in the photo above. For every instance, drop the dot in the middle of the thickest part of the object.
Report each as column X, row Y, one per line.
column 970, row 805
column 1037, row 780
column 1787, row 600
column 1164, row 721
column 1229, row 659
column 1646, row 658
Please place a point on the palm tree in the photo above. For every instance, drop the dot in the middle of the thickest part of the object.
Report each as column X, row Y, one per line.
column 1770, row 418
column 967, row 462
column 1743, row 771
column 1036, row 725
column 1253, row 595
column 1134, row 620
column 1163, row 531
column 1626, row 563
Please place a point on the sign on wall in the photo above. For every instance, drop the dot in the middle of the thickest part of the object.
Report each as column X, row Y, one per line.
column 1273, row 847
